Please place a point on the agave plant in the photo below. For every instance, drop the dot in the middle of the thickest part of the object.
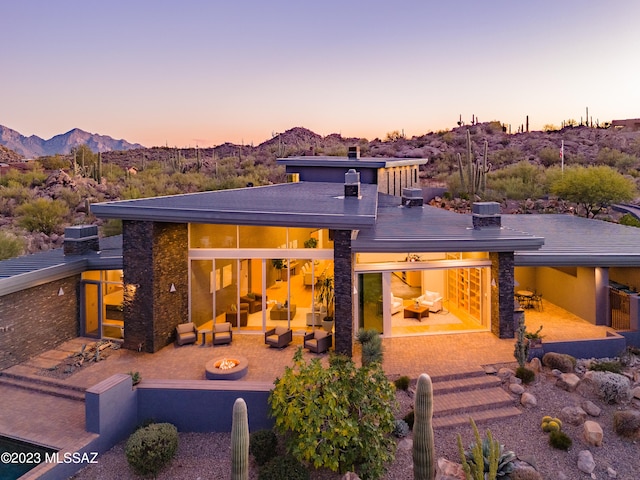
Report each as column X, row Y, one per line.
column 496, row 461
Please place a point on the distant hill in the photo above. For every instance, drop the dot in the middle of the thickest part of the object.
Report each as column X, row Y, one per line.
column 34, row 146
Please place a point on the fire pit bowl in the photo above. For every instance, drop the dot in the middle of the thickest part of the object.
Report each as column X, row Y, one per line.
column 231, row 367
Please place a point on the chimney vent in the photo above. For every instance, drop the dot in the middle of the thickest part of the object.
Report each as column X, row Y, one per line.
column 354, row 152
column 486, row 215
column 412, row 197
column 81, row 239
column 352, row 183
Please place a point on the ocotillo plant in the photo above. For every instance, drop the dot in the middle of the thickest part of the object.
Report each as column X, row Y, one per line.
column 424, row 453
column 240, row 441
column 476, row 181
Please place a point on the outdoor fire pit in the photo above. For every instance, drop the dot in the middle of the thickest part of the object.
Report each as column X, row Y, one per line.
column 227, row 368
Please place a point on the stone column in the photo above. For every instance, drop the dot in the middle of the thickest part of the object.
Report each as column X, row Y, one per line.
column 502, row 322
column 343, row 282
column 154, row 259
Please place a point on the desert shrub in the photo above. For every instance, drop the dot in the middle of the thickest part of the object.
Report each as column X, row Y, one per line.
column 611, row 387
column 616, row 158
column 526, row 474
column 10, row 246
column 30, row 179
column 400, row 428
column 629, row 220
column 507, row 156
column 626, row 423
column 263, row 445
column 55, row 162
column 549, row 156
column 402, row 383
column 560, row 361
column 42, row 215
column 410, row 418
column 336, row 416
column 371, row 346
column 560, row 440
column 283, row 468
column 150, row 448
column 525, row 374
column 613, row 366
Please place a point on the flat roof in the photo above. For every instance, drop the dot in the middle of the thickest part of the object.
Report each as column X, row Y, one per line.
column 300, row 204
column 577, row 241
column 431, row 229
column 346, row 162
column 36, row 269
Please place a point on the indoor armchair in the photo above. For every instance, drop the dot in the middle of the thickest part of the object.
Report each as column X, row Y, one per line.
column 433, row 300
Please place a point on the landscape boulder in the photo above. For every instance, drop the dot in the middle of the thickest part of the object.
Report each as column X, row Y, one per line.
column 573, row 415
column 592, row 432
column 447, row 470
column 591, row 408
column 586, row 463
column 568, row 382
column 611, row 387
column 528, row 400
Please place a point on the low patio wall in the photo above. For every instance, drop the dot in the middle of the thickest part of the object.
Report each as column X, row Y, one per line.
column 610, row 346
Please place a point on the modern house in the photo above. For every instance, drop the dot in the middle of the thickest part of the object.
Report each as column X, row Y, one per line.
column 259, row 257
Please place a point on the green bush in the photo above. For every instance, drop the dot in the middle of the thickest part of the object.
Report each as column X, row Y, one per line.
column 283, row 468
column 626, row 423
column 42, row 215
column 150, row 448
column 336, row 416
column 606, row 366
column 402, row 383
column 629, row 220
column 560, row 440
column 525, row 374
column 371, row 346
column 10, row 246
column 263, row 445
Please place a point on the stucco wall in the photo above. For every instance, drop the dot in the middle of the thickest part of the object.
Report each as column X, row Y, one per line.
column 576, row 294
column 37, row 319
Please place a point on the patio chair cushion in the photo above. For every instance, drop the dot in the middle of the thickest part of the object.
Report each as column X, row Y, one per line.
column 186, row 333
column 318, row 334
column 222, row 327
column 281, row 330
column 185, row 328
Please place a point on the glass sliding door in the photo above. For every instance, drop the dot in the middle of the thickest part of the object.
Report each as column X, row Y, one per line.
column 203, row 286
column 91, row 311
column 370, row 301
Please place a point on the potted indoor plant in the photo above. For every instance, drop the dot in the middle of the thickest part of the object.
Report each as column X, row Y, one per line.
column 326, row 296
column 278, row 264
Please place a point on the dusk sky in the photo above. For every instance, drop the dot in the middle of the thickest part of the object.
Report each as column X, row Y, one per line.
column 186, row 73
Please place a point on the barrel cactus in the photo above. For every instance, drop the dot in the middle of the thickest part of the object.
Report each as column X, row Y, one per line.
column 240, row 441
column 424, row 454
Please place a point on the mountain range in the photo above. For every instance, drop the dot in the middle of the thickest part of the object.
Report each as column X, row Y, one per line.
column 34, row 146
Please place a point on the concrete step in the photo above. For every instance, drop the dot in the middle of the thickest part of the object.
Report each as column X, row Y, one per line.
column 465, row 384
column 479, row 417
column 48, row 388
column 471, row 401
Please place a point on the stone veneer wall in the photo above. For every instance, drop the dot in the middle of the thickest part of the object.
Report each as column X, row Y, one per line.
column 343, row 281
column 154, row 257
column 502, row 323
column 37, row 319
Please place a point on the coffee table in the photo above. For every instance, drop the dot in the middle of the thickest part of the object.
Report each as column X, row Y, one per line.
column 416, row 312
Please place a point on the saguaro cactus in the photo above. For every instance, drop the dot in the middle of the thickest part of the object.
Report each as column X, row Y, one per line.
column 240, row 441
column 424, row 453
column 476, row 177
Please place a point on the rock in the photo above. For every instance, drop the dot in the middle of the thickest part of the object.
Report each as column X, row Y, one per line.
column 505, row 373
column 611, row 473
column 528, row 400
column 611, row 387
column 515, row 379
column 635, row 392
column 591, row 408
column 573, row 415
column 446, row 470
column 405, row 444
column 350, row 476
column 568, row 381
column 555, row 372
column 586, row 463
column 593, row 434
column 490, row 370
column 516, row 389
column 536, row 365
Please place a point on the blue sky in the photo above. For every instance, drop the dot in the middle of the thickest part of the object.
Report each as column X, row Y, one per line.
column 186, row 73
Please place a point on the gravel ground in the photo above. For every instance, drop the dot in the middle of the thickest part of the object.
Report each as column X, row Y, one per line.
column 207, row 455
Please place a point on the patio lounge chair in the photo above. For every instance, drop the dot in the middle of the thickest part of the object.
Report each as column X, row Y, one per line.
column 186, row 333
column 278, row 337
column 222, row 333
column 318, row 341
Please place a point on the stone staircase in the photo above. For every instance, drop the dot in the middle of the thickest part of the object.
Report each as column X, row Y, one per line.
column 470, row 394
column 26, row 378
